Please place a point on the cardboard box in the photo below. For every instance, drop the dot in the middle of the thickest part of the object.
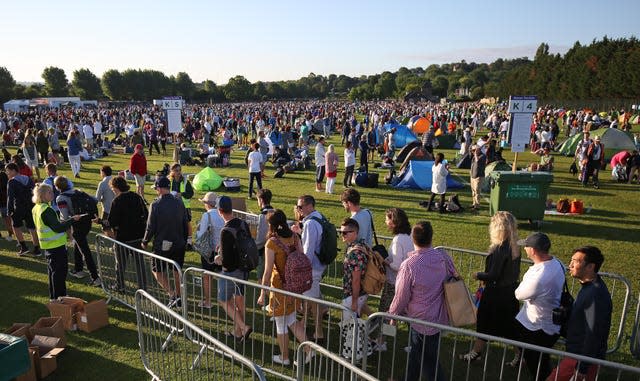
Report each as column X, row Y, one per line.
column 66, row 308
column 93, row 316
column 20, row 330
column 30, row 375
column 47, row 350
column 52, row 327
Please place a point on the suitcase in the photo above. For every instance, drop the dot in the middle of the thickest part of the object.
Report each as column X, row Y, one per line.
column 361, row 179
column 231, row 184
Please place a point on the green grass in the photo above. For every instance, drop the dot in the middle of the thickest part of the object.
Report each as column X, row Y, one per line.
column 613, row 224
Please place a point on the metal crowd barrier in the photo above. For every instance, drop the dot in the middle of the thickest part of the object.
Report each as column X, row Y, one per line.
column 250, row 218
column 468, row 262
column 124, row 269
column 202, row 308
column 326, row 365
column 394, row 362
column 197, row 357
column 634, row 346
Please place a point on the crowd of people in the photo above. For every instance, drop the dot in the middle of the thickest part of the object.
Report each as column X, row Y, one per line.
column 414, row 270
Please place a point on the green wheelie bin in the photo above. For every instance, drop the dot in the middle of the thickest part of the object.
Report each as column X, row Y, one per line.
column 524, row 194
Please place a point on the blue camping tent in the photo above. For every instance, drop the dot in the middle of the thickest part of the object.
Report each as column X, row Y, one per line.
column 418, row 175
column 403, row 135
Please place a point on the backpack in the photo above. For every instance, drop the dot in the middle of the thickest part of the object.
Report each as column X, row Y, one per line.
column 328, row 241
column 563, row 205
column 297, row 275
column 83, row 203
column 374, row 274
column 205, row 244
column 245, row 246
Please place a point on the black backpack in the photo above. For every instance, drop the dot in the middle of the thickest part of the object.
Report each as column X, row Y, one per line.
column 245, row 246
column 84, row 203
column 328, row 241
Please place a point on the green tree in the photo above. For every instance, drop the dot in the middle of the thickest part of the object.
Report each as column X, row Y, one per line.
column 260, row 91
column 386, row 86
column 85, row 84
column 112, row 84
column 7, row 84
column 184, row 85
column 440, row 84
column 55, row 82
column 238, row 89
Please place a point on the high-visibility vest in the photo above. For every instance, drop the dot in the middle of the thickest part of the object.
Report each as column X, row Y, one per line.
column 183, row 186
column 47, row 237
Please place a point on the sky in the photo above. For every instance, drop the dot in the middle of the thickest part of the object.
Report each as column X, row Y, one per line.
column 285, row 40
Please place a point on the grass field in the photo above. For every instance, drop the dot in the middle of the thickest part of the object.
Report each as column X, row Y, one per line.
column 612, row 223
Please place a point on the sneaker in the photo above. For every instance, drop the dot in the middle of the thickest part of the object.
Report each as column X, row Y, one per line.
column 95, row 282
column 279, row 360
column 515, row 362
column 36, row 253
column 175, row 303
column 307, row 358
column 381, row 347
column 78, row 274
column 471, row 356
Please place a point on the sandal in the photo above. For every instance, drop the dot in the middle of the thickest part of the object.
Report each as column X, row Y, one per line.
column 471, row 356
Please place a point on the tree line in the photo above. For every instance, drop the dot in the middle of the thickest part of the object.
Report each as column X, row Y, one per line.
column 604, row 69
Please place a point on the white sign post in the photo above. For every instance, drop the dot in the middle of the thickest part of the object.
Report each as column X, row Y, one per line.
column 173, row 107
column 521, row 108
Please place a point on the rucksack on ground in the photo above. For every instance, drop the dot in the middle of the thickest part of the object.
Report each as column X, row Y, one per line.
column 83, row 203
column 563, row 205
column 245, row 246
column 328, row 241
column 297, row 276
column 374, row 274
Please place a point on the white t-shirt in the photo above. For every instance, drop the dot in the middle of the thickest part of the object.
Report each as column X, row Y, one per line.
column 540, row 290
column 254, row 159
column 319, row 155
column 349, row 157
column 87, row 130
column 97, row 128
column 401, row 246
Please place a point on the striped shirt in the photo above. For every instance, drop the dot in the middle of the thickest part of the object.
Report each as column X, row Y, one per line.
column 419, row 288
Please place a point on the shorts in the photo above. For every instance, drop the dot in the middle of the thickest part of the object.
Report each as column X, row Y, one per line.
column 4, row 213
column 314, row 291
column 567, row 369
column 18, row 217
column 320, row 174
column 283, row 322
column 139, row 180
column 176, row 255
column 228, row 288
column 205, row 265
column 346, row 302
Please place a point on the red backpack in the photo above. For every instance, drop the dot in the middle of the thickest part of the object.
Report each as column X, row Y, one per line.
column 297, row 275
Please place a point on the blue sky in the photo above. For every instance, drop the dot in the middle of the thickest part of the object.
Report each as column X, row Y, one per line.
column 279, row 40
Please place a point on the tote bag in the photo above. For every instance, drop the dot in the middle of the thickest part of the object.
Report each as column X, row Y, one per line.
column 460, row 307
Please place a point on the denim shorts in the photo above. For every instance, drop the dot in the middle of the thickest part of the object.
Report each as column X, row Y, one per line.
column 228, row 288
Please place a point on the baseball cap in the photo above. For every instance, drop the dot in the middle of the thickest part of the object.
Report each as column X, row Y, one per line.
column 224, row 204
column 210, row 198
column 537, row 240
column 162, row 182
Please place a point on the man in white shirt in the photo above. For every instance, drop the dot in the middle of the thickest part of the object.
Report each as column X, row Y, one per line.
column 97, row 128
column 320, row 163
column 87, row 131
column 351, row 202
column 540, row 290
column 254, row 161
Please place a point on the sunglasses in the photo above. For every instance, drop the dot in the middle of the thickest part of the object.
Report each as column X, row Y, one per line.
column 345, row 232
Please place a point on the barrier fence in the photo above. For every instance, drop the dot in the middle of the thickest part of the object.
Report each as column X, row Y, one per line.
column 227, row 323
column 634, row 344
column 396, row 361
column 197, row 357
column 326, row 365
column 124, row 269
column 468, row 262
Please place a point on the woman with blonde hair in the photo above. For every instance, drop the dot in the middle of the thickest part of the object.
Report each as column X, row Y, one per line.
column 331, row 164
column 53, row 239
column 498, row 305
column 30, row 153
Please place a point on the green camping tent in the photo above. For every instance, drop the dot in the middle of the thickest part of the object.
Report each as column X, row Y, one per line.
column 207, row 180
column 613, row 139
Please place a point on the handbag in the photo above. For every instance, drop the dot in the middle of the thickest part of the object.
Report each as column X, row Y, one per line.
column 460, row 307
column 205, row 244
column 380, row 249
column 364, row 345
